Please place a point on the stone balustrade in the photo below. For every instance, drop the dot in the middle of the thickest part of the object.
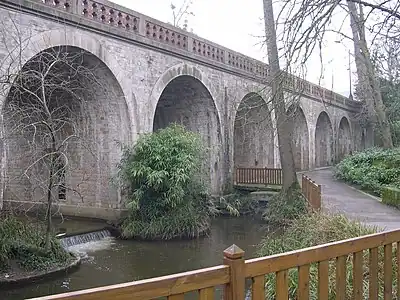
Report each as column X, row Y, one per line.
column 133, row 24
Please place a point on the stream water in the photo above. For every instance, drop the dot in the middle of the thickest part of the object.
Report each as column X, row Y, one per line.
column 111, row 261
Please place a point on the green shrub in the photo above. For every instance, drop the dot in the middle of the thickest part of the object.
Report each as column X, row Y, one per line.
column 186, row 222
column 311, row 230
column 391, row 196
column 236, row 204
column 161, row 178
column 23, row 242
column 372, row 169
column 283, row 208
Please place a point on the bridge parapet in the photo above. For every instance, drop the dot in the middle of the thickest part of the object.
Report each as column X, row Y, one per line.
column 112, row 18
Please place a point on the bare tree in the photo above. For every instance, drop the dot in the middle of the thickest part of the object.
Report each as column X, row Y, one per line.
column 285, row 125
column 389, row 7
column 306, row 23
column 42, row 112
column 368, row 80
column 45, row 119
column 386, row 54
column 182, row 13
column 386, row 58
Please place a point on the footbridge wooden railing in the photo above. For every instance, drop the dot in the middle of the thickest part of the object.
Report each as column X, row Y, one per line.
column 267, row 176
column 369, row 257
column 311, row 191
column 270, row 176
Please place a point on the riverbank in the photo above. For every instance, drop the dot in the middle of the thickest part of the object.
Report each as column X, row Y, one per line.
column 113, row 261
column 18, row 277
column 27, row 253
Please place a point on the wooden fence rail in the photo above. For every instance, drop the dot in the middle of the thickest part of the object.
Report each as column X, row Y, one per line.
column 265, row 176
column 234, row 271
column 311, row 191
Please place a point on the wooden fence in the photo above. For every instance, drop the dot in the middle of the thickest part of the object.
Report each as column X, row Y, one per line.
column 234, row 271
column 265, row 176
column 311, row 191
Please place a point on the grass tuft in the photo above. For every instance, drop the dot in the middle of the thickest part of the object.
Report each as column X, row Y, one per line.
column 285, row 207
column 185, row 221
column 316, row 229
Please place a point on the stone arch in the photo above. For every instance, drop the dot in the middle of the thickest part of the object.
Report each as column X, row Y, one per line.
column 176, row 71
column 344, row 138
column 243, row 89
column 323, row 141
column 66, row 37
column 300, row 138
column 253, row 133
column 93, row 46
column 102, row 123
column 187, row 101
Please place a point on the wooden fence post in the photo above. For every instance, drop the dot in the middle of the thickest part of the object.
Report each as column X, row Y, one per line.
column 314, row 195
column 234, row 258
column 236, row 178
column 319, row 197
column 307, row 187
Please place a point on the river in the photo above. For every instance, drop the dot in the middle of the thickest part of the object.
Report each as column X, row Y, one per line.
column 112, row 261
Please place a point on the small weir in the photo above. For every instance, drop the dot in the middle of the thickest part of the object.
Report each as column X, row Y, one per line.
column 83, row 238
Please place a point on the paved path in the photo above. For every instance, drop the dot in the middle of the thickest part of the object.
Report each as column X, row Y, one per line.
column 339, row 197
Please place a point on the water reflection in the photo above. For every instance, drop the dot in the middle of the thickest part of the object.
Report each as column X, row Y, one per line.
column 113, row 261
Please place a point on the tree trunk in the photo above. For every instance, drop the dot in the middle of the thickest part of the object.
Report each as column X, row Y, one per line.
column 284, row 124
column 49, row 204
column 369, row 83
column 365, row 90
column 50, row 186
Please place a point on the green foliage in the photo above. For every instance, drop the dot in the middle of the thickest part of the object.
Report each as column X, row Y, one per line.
column 161, row 178
column 285, row 207
column 236, row 204
column 391, row 196
column 311, row 230
column 23, row 242
column 187, row 221
column 372, row 169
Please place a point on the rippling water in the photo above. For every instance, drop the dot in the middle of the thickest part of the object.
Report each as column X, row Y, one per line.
column 112, row 261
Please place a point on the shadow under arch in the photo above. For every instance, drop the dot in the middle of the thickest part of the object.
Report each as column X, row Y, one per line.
column 253, row 133
column 323, row 141
column 300, row 137
column 186, row 100
column 181, row 69
column 344, row 138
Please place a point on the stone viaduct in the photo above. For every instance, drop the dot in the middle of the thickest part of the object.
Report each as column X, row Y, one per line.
column 157, row 74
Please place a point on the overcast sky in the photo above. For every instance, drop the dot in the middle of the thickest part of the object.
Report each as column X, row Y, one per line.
column 238, row 25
